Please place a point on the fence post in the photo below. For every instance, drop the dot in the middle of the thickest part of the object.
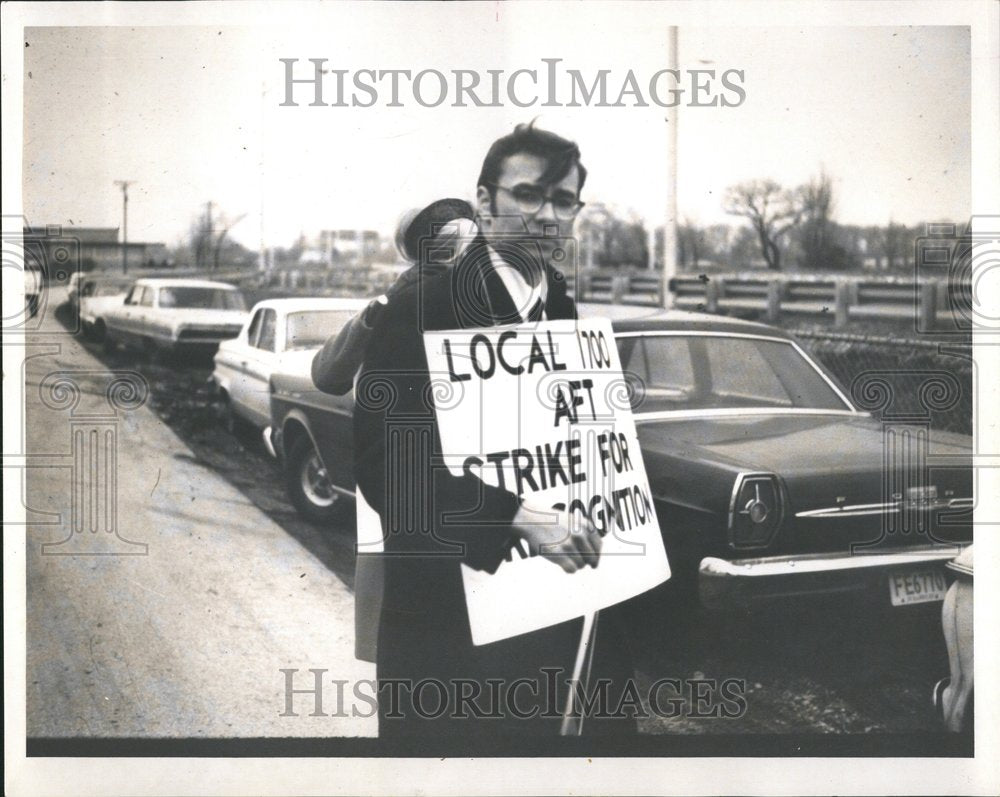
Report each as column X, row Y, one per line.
column 841, row 301
column 711, row 296
column 618, row 286
column 773, row 301
column 943, row 299
column 928, row 305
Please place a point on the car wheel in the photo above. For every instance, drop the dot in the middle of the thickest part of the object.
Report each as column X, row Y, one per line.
column 110, row 342
column 98, row 331
column 307, row 483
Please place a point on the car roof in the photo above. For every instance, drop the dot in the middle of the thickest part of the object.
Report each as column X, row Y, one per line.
column 293, row 303
column 181, row 282
column 633, row 318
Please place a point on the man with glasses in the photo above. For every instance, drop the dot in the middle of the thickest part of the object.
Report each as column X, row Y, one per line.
column 433, row 521
column 528, row 198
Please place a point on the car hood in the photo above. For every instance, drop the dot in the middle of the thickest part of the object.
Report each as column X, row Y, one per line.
column 822, row 460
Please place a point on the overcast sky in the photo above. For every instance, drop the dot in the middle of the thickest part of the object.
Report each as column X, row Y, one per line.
column 193, row 114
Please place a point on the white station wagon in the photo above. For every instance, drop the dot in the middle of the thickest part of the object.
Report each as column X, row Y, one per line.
column 171, row 314
column 281, row 334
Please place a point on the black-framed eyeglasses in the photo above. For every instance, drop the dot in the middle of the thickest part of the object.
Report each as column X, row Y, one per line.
column 530, row 199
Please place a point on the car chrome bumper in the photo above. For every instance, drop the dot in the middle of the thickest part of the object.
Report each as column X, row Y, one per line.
column 193, row 344
column 269, row 442
column 723, row 583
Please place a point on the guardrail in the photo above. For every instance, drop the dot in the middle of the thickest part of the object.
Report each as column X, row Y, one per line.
column 844, row 298
column 618, row 287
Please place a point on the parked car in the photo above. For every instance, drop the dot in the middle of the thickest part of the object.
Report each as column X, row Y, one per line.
column 73, row 288
column 769, row 484
column 169, row 314
column 281, row 334
column 953, row 695
column 34, row 285
column 98, row 297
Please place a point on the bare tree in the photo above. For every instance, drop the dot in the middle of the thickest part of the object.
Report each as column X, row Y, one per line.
column 816, row 205
column 207, row 234
column 897, row 245
column 223, row 226
column 612, row 237
column 692, row 244
column 771, row 210
column 199, row 238
column 875, row 244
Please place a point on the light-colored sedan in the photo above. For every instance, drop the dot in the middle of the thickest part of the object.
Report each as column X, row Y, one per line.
column 171, row 314
column 281, row 335
column 97, row 298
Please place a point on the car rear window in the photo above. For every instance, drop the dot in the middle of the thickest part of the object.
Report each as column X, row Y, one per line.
column 693, row 372
column 310, row 328
column 108, row 290
column 201, row 298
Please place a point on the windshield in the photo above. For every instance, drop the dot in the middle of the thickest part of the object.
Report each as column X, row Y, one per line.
column 202, row 298
column 695, row 372
column 310, row 328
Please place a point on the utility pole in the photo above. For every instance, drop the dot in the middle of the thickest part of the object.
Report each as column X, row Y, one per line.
column 124, row 186
column 670, row 222
column 209, row 230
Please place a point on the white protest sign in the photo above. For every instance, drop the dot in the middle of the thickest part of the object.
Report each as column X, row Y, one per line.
column 543, row 411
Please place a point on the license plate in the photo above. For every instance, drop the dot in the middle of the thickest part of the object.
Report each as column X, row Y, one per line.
column 917, row 586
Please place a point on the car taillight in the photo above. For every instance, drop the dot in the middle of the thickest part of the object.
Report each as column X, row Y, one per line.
column 755, row 510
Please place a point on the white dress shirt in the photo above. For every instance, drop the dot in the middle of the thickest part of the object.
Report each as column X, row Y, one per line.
column 521, row 293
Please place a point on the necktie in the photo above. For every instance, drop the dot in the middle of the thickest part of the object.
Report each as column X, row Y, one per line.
column 535, row 313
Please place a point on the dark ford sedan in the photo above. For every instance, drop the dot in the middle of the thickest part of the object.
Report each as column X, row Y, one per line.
column 769, row 484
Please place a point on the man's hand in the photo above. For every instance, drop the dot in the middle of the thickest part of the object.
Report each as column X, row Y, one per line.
column 551, row 533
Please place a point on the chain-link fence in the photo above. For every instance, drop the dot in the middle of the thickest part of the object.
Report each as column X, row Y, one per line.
column 900, row 378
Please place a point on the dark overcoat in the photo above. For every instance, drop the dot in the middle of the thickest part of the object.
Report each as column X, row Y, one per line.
column 434, row 521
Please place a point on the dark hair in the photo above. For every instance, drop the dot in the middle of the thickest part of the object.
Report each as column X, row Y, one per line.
column 425, row 225
column 559, row 153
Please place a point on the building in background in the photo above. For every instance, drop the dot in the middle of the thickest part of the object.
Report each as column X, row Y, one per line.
column 357, row 248
column 89, row 248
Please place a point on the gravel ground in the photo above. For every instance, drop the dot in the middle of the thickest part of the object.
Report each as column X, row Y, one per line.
column 838, row 670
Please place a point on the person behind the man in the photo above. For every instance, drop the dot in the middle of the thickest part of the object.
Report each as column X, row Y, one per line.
column 433, row 521
column 436, row 229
